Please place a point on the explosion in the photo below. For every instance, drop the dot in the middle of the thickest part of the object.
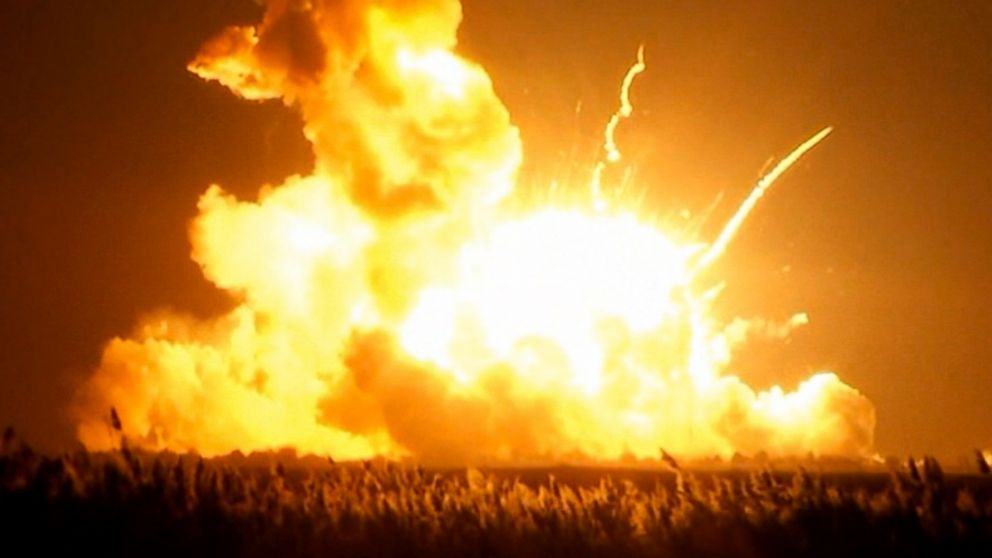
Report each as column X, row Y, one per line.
column 398, row 301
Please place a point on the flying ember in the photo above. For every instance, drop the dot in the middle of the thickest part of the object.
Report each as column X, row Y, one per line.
column 397, row 302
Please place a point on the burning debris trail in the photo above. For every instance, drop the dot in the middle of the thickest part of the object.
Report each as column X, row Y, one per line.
column 718, row 247
column 396, row 302
column 626, row 109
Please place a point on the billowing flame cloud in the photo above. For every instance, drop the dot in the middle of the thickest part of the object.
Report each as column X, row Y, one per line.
column 393, row 302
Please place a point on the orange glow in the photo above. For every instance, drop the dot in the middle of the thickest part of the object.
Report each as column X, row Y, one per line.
column 397, row 302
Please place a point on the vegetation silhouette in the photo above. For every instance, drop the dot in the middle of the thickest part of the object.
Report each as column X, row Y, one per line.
column 131, row 502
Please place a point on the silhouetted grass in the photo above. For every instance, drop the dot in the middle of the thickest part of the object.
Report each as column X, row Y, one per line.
column 139, row 504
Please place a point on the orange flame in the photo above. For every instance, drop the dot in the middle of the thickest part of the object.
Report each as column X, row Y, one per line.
column 393, row 303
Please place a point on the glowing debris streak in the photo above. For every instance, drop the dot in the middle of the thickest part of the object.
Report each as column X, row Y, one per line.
column 734, row 224
column 610, row 147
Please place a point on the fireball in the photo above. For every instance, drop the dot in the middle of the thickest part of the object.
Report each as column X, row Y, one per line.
column 399, row 301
